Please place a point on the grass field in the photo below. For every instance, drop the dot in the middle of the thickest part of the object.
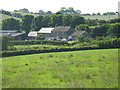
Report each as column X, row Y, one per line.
column 102, row 17
column 28, row 47
column 76, row 69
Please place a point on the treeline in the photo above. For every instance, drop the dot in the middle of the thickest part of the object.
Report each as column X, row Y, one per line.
column 93, row 27
column 18, row 15
column 29, row 22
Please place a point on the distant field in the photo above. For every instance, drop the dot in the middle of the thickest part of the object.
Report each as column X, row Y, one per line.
column 76, row 69
column 102, row 17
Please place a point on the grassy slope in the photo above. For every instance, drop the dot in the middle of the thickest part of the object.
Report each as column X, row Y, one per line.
column 3, row 17
column 102, row 17
column 77, row 69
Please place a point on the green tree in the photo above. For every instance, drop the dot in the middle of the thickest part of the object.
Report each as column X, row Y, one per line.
column 77, row 20
column 11, row 24
column 53, row 21
column 46, row 21
column 83, row 27
column 37, row 23
column 26, row 24
column 114, row 30
column 24, row 10
column 100, row 31
column 67, row 20
column 6, row 43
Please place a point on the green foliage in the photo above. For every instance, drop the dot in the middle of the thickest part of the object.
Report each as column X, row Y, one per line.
column 77, row 20
column 76, row 69
column 31, row 42
column 100, row 31
column 114, row 29
column 24, row 10
column 11, row 24
column 109, row 43
column 26, row 23
column 67, row 20
column 83, row 38
column 83, row 27
column 69, row 11
column 37, row 23
column 6, row 43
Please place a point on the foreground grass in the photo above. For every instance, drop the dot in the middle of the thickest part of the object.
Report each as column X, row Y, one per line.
column 76, row 69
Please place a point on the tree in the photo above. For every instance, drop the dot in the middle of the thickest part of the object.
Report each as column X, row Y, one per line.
column 67, row 20
column 91, row 22
column 37, row 23
column 98, row 13
column 6, row 43
column 77, row 20
column 26, row 24
column 48, row 13
column 11, row 24
column 41, row 12
column 100, row 31
column 114, row 30
column 46, row 21
column 24, row 10
column 93, row 14
column 83, row 27
column 53, row 21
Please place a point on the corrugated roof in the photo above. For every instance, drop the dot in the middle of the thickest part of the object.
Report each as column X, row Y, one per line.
column 11, row 34
column 8, row 31
column 32, row 34
column 78, row 33
column 62, row 28
column 45, row 30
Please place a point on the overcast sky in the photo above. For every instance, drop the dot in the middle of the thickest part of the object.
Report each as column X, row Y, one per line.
column 86, row 6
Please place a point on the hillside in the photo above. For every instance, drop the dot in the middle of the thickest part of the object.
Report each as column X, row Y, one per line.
column 76, row 69
column 102, row 17
column 3, row 17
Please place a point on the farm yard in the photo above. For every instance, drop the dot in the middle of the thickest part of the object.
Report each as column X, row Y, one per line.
column 75, row 69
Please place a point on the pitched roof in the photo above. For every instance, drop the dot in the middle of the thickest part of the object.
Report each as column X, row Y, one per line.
column 12, row 33
column 32, row 34
column 8, row 31
column 62, row 28
column 78, row 33
column 45, row 30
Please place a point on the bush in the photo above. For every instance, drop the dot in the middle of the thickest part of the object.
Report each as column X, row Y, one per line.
column 32, row 42
column 111, row 43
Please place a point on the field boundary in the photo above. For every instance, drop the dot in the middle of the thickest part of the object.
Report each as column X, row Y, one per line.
column 28, row 52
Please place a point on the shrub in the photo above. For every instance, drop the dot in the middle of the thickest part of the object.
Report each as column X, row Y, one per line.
column 111, row 43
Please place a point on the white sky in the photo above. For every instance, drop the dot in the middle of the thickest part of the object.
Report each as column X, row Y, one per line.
column 86, row 6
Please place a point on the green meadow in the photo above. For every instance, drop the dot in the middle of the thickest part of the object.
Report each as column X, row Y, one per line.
column 101, row 17
column 75, row 69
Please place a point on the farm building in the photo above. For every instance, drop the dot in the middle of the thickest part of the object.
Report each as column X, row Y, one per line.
column 45, row 32
column 32, row 34
column 62, row 31
column 13, row 33
column 78, row 33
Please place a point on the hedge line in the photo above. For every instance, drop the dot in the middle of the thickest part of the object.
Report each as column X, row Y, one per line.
column 104, row 44
column 111, row 43
column 34, row 51
column 32, row 42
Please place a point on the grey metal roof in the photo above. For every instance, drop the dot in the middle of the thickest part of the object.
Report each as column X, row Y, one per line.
column 78, row 33
column 61, row 28
column 8, row 31
column 11, row 34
